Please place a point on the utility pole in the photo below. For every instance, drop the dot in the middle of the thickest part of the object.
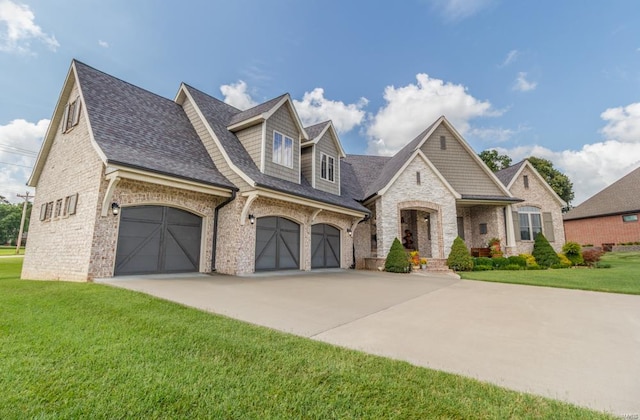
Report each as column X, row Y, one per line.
column 26, row 198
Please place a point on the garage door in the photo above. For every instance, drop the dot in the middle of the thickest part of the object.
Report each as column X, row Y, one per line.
column 277, row 244
column 157, row 239
column 325, row 246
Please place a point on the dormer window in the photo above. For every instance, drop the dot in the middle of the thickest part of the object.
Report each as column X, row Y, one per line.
column 327, row 167
column 71, row 115
column 282, row 149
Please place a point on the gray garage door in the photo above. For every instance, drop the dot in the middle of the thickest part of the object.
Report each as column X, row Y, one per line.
column 277, row 244
column 325, row 246
column 157, row 239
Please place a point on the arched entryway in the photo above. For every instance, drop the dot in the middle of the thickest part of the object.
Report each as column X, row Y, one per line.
column 277, row 244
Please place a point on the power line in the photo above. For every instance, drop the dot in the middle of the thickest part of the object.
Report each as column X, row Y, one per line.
column 15, row 164
column 8, row 147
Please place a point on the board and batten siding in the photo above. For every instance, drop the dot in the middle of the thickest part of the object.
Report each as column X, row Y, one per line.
column 283, row 122
column 327, row 145
column 251, row 139
column 211, row 146
column 460, row 169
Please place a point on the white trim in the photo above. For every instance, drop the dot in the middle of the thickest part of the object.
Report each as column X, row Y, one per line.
column 223, row 152
column 333, row 181
column 284, row 141
column 336, row 138
column 263, row 147
column 540, row 178
column 313, row 166
column 113, row 183
column 266, row 115
column 122, row 172
column 251, row 197
column 314, row 215
column 511, row 233
column 268, row 193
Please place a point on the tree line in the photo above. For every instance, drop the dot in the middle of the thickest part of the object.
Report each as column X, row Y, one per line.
column 10, row 215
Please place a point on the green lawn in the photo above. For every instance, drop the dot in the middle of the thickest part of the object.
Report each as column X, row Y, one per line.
column 622, row 277
column 72, row 350
column 10, row 250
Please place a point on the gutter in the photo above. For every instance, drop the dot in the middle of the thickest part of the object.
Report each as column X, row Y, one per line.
column 215, row 228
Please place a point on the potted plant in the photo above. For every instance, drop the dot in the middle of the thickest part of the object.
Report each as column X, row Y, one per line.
column 494, row 248
column 423, row 263
column 414, row 257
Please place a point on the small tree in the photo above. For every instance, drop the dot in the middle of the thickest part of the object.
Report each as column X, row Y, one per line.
column 573, row 251
column 397, row 261
column 459, row 258
column 543, row 252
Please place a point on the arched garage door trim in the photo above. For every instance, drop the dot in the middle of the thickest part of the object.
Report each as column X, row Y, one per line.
column 158, row 239
column 325, row 246
column 277, row 244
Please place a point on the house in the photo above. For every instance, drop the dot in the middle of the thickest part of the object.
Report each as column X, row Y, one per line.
column 540, row 210
column 609, row 217
column 130, row 182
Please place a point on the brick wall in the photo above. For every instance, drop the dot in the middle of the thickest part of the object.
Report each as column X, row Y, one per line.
column 600, row 230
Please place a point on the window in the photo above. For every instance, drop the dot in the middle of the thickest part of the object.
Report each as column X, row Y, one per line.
column 418, row 178
column 46, row 210
column 282, row 150
column 70, row 204
column 530, row 222
column 483, row 228
column 71, row 115
column 460, row 221
column 327, row 167
column 58, row 209
column 525, row 178
column 630, row 218
column 443, row 143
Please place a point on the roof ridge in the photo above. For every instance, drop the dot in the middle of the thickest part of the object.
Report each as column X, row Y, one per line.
column 237, row 110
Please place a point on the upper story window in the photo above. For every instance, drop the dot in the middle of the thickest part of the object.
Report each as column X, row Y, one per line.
column 282, row 149
column 327, row 167
column 443, row 143
column 71, row 115
column 630, row 218
column 530, row 222
column 525, row 179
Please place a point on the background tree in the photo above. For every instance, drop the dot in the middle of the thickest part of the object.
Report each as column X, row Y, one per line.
column 495, row 161
column 560, row 183
column 10, row 215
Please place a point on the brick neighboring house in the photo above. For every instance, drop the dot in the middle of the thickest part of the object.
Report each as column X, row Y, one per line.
column 130, row 182
column 609, row 217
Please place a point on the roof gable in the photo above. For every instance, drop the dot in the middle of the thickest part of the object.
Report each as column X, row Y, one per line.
column 623, row 196
column 317, row 131
column 263, row 112
column 513, row 172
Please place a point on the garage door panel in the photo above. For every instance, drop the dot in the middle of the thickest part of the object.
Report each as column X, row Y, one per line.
column 277, row 244
column 325, row 246
column 147, row 214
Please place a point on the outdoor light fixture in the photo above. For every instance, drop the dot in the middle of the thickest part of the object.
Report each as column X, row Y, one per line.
column 252, row 218
column 349, row 232
column 426, row 219
column 115, row 209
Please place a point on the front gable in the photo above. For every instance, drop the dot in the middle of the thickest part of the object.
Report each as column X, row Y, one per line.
column 529, row 185
column 458, row 163
column 281, row 140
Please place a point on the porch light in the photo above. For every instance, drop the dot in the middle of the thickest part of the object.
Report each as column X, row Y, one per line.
column 349, row 232
column 426, row 219
column 115, row 209
column 252, row 218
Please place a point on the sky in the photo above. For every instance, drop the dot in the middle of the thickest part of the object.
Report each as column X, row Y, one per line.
column 557, row 80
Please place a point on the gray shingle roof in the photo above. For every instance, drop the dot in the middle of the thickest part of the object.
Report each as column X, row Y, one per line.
column 218, row 115
column 314, row 131
column 506, row 175
column 623, row 196
column 256, row 110
column 139, row 129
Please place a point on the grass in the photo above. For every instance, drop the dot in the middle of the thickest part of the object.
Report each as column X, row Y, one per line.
column 73, row 350
column 10, row 250
column 622, row 277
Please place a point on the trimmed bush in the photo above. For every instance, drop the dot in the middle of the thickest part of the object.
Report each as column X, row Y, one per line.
column 459, row 258
column 482, row 261
column 511, row 267
column 564, row 261
column 397, row 261
column 529, row 259
column 518, row 260
column 543, row 252
column 482, row 268
column 573, row 251
column 499, row 262
column 591, row 256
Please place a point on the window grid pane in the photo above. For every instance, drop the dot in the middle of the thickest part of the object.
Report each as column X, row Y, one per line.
column 277, row 147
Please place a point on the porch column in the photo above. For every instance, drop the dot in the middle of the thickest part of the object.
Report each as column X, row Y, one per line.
column 511, row 237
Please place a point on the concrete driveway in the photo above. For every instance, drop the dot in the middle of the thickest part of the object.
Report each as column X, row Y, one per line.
column 576, row 346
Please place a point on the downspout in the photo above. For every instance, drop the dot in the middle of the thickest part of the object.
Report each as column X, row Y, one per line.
column 215, row 228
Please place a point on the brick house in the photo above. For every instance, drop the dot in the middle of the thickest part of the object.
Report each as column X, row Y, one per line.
column 130, row 182
column 609, row 217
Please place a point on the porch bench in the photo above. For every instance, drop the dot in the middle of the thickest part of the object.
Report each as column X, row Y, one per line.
column 480, row 252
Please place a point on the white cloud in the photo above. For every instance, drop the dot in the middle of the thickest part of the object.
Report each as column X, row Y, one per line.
column 510, row 58
column 495, row 134
column 18, row 135
column 237, row 95
column 596, row 165
column 103, row 44
column 522, row 84
column 21, row 29
column 456, row 10
column 410, row 109
column 315, row 108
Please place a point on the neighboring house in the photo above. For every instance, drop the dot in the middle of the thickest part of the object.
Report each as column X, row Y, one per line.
column 541, row 210
column 130, row 182
column 609, row 217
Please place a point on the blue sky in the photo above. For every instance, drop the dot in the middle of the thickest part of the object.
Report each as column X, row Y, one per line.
column 559, row 80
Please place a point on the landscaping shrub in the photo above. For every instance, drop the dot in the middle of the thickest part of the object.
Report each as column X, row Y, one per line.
column 482, row 264
column 564, row 261
column 591, row 256
column 518, row 260
column 397, row 261
column 499, row 262
column 573, row 251
column 543, row 252
column 530, row 259
column 511, row 267
column 602, row 265
column 459, row 258
column 482, row 267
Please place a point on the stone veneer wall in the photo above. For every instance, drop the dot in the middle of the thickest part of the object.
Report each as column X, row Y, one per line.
column 236, row 243
column 135, row 193
column 432, row 192
column 59, row 248
column 494, row 218
column 538, row 196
